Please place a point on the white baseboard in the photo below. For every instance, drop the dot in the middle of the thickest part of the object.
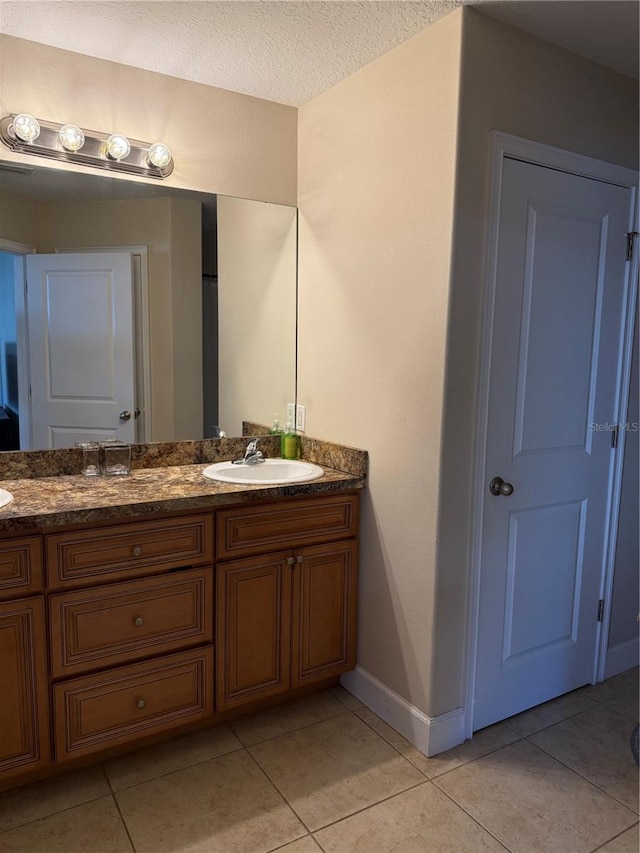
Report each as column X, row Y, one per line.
column 621, row 657
column 430, row 735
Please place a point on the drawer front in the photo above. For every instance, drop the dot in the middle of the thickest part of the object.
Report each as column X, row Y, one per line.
column 102, row 711
column 253, row 530
column 20, row 566
column 119, row 623
column 128, row 550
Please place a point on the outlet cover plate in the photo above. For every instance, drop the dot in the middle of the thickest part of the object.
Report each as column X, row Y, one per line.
column 301, row 418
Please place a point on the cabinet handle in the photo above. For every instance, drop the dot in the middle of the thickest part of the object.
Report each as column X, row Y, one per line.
column 138, row 621
column 137, row 551
column 290, row 561
column 141, row 704
column 299, row 559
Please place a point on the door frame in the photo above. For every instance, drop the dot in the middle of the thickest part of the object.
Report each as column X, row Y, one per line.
column 22, row 343
column 513, row 147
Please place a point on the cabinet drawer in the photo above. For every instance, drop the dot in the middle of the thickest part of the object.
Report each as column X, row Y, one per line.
column 97, row 712
column 128, row 550
column 253, row 530
column 115, row 624
column 20, row 566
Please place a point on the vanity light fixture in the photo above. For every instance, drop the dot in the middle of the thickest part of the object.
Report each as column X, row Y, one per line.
column 71, row 137
column 26, row 127
column 159, row 155
column 118, row 146
column 28, row 135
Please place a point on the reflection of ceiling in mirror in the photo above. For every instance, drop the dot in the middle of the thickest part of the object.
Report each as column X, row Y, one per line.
column 43, row 184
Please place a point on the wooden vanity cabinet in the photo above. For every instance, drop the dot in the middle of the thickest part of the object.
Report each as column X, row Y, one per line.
column 24, row 702
column 122, row 631
column 288, row 618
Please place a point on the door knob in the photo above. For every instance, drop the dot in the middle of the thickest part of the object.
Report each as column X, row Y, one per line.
column 498, row 487
column 125, row 416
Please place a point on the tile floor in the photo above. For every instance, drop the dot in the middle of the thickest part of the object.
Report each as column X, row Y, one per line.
column 325, row 774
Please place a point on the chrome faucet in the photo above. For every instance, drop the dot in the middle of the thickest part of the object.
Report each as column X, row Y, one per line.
column 252, row 456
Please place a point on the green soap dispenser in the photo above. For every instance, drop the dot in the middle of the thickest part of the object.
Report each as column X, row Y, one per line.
column 290, row 442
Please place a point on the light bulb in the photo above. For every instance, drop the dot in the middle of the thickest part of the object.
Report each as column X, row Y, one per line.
column 159, row 155
column 26, row 127
column 71, row 137
column 118, row 146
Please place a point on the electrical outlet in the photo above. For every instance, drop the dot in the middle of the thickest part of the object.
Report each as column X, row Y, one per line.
column 291, row 412
column 301, row 418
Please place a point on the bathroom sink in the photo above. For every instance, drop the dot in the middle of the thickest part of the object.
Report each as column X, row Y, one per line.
column 271, row 472
column 5, row 497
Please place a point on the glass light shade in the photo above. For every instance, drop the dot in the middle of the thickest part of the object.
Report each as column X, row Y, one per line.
column 159, row 155
column 71, row 137
column 118, row 146
column 26, row 127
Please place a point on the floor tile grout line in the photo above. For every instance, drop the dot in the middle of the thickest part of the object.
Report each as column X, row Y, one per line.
column 342, row 700
column 287, row 843
column 291, row 731
column 608, row 841
column 556, row 722
column 176, row 770
column 451, row 769
column 51, row 814
column 124, row 823
column 473, row 818
column 273, row 784
column 388, row 742
column 106, row 776
column 581, row 775
column 366, row 808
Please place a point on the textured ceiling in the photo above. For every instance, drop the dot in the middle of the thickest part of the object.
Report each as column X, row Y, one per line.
column 291, row 51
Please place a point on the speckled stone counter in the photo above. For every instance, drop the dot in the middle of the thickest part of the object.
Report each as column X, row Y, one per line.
column 63, row 499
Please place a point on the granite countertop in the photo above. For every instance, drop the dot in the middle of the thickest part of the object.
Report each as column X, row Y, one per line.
column 74, row 499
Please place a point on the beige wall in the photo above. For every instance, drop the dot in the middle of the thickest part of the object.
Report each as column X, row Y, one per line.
column 390, row 305
column 257, row 301
column 376, row 190
column 222, row 142
column 18, row 219
column 185, row 236
column 170, row 228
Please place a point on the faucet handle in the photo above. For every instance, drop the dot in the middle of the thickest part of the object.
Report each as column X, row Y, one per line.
column 252, row 446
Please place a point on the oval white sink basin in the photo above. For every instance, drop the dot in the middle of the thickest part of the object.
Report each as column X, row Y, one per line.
column 5, row 497
column 271, row 472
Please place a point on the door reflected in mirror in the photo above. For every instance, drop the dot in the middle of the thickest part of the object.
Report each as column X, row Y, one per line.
column 176, row 307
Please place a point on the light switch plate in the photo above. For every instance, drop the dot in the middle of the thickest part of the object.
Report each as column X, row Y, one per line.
column 301, row 418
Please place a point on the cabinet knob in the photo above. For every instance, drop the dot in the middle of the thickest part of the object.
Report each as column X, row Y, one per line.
column 137, row 551
column 299, row 559
column 138, row 621
column 141, row 704
column 290, row 561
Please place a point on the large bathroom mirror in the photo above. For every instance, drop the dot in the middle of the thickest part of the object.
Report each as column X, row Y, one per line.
column 201, row 337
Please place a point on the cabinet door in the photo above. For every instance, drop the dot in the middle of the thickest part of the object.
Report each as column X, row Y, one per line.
column 324, row 612
column 24, row 733
column 253, row 629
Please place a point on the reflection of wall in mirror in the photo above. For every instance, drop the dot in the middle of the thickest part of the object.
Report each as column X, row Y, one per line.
column 257, row 299
column 171, row 228
column 8, row 376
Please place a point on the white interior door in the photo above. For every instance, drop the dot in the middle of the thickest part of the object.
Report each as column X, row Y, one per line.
column 81, row 353
column 554, row 361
